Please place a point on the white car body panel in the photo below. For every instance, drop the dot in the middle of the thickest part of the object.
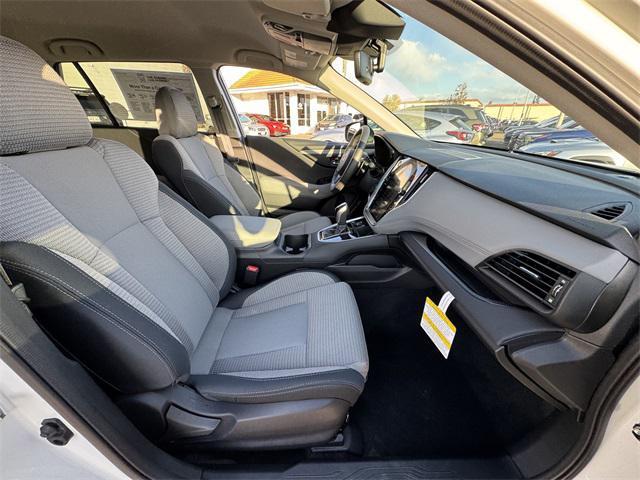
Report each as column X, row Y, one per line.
column 618, row 456
column 26, row 455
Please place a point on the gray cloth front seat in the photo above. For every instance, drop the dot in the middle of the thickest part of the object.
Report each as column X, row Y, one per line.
column 195, row 166
column 134, row 283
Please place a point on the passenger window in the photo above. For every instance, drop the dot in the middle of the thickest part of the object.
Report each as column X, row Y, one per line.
column 278, row 105
column 87, row 98
column 129, row 89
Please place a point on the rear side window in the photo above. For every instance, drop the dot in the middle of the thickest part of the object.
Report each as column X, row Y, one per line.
column 458, row 111
column 92, row 105
column 431, row 124
column 461, row 124
column 128, row 89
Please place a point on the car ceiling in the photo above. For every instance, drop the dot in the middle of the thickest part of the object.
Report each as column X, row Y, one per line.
column 196, row 33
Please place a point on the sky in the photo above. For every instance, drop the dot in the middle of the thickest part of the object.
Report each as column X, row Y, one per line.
column 427, row 64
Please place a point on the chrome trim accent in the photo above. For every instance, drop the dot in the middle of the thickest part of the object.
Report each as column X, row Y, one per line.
column 336, row 238
column 398, row 163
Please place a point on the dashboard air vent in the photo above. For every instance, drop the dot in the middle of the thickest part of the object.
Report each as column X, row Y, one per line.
column 534, row 274
column 609, row 212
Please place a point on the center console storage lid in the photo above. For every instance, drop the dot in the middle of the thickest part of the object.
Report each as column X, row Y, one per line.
column 246, row 231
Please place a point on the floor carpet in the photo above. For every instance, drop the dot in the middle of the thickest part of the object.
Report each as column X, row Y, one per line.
column 418, row 404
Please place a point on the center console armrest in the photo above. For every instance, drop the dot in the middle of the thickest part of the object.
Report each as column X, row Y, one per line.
column 246, row 231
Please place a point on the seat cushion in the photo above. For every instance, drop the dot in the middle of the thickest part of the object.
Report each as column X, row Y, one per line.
column 302, row 323
column 302, row 223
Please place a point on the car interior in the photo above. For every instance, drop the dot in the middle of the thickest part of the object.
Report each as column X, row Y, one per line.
column 210, row 304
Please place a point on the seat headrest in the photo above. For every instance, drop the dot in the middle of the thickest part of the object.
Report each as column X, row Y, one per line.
column 38, row 112
column 175, row 114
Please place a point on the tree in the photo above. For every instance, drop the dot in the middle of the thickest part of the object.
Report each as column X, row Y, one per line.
column 391, row 102
column 460, row 94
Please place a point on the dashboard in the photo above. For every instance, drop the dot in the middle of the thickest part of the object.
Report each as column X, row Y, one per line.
column 539, row 256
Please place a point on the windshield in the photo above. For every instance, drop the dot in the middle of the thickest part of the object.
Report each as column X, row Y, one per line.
column 442, row 91
column 334, row 118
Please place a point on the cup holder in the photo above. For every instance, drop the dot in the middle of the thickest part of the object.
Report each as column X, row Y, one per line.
column 294, row 244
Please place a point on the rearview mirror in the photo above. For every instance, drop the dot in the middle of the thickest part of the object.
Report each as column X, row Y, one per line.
column 363, row 65
column 370, row 59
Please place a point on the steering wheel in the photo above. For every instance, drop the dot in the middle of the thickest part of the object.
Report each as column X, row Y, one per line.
column 351, row 159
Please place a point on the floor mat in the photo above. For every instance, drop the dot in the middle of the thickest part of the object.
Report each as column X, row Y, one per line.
column 417, row 404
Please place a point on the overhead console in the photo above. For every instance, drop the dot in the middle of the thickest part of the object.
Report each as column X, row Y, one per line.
column 296, row 38
column 314, row 30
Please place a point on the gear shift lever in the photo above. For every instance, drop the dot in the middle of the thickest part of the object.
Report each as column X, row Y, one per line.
column 342, row 212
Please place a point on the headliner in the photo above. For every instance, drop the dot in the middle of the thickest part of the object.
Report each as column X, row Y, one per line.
column 198, row 33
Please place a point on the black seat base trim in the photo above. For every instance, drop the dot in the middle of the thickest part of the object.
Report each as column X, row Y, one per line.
column 286, row 424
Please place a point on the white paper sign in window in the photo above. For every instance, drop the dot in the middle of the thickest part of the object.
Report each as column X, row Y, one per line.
column 139, row 90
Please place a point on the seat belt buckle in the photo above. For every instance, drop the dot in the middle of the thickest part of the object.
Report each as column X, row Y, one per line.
column 20, row 292
column 251, row 273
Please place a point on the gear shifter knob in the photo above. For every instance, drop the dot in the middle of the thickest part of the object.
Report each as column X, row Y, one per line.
column 342, row 212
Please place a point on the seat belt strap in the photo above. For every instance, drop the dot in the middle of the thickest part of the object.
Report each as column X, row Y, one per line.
column 220, row 137
column 5, row 276
column 18, row 289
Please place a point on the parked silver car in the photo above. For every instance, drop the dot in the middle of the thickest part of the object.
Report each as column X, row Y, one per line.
column 586, row 150
column 437, row 126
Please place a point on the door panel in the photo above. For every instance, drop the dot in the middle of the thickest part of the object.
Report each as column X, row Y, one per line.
column 294, row 174
column 324, row 153
column 305, row 160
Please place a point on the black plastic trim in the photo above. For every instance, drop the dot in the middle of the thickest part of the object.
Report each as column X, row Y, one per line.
column 67, row 387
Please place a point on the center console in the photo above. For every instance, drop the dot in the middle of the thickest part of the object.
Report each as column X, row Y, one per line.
column 351, row 230
column 350, row 248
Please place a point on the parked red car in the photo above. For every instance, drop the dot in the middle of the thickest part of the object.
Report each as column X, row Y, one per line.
column 276, row 128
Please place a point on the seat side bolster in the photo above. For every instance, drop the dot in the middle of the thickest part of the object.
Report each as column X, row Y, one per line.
column 231, row 252
column 111, row 338
column 206, row 198
column 168, row 160
column 170, row 157
column 342, row 384
column 244, row 190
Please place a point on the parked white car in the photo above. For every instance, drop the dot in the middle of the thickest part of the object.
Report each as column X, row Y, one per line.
column 249, row 127
column 437, row 126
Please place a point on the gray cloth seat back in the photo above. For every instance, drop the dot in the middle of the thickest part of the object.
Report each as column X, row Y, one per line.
column 91, row 210
column 194, row 163
column 196, row 167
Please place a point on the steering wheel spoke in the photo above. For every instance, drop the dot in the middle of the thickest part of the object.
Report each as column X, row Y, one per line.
column 352, row 158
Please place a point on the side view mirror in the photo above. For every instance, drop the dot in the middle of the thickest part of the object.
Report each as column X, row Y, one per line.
column 351, row 129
